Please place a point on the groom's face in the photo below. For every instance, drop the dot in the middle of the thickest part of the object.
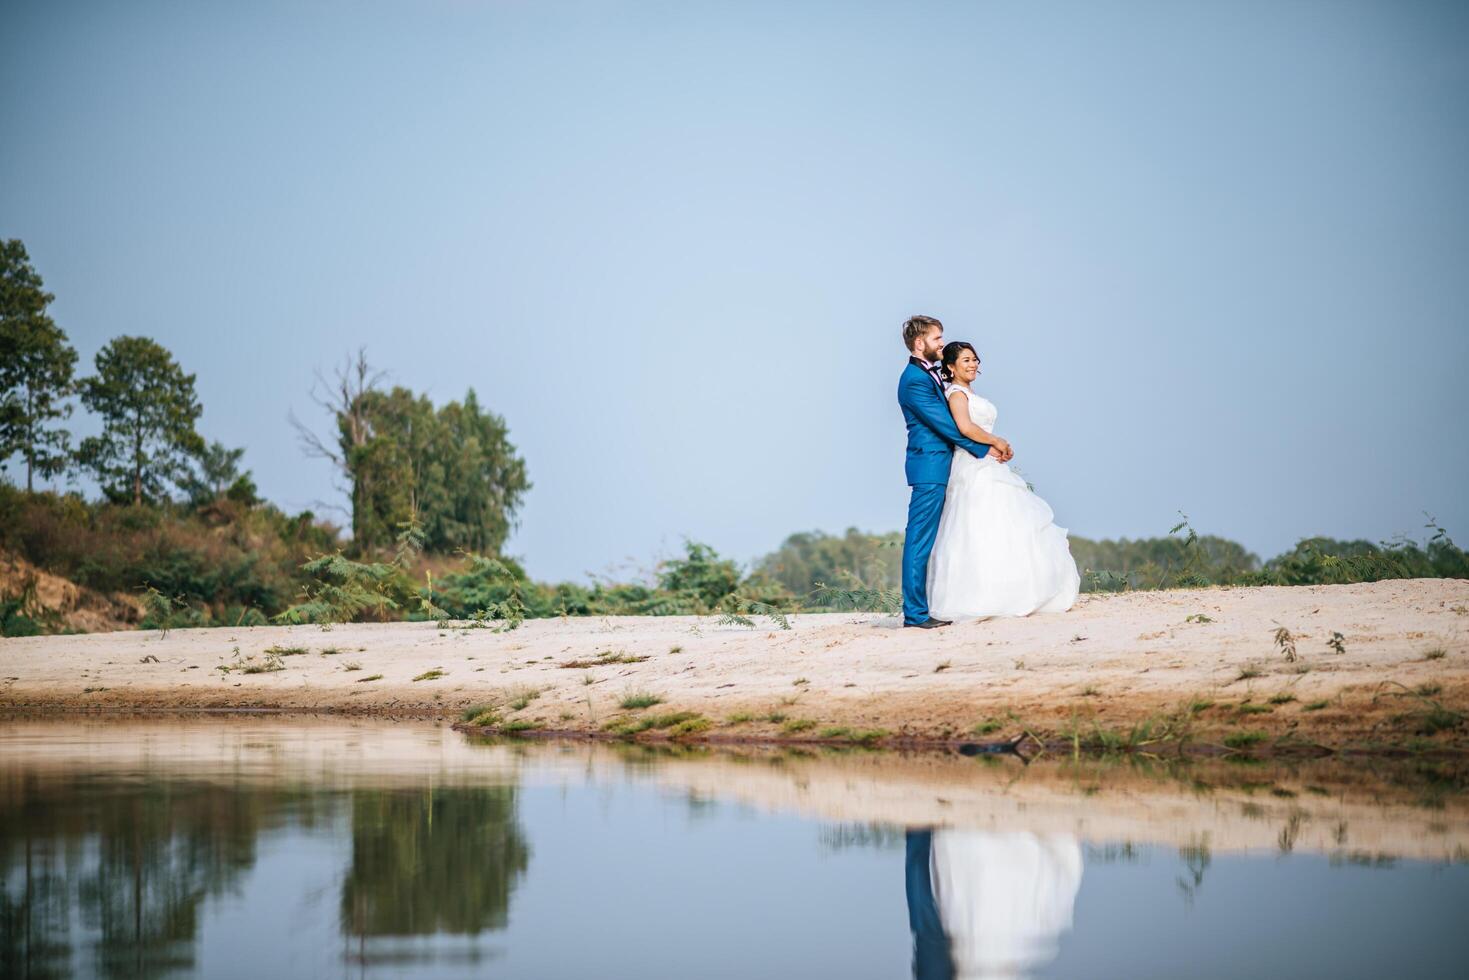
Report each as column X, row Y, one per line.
column 930, row 346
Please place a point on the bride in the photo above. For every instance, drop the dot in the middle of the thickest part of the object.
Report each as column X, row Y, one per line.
column 997, row 552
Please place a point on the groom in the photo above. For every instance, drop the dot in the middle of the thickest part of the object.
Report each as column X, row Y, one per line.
column 932, row 435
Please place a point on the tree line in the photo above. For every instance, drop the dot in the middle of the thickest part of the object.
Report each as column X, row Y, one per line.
column 179, row 520
column 450, row 469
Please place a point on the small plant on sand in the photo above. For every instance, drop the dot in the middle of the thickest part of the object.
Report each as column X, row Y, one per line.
column 635, row 700
column 1285, row 640
column 520, row 697
column 1248, row 672
column 1198, row 618
column 1436, row 718
column 676, row 723
column 1254, row 709
column 271, row 664
column 329, row 651
column 1282, row 698
column 604, row 660
column 799, row 682
column 1315, row 705
column 281, row 651
column 798, row 725
column 738, row 610
column 1090, row 691
column 775, row 717
column 351, row 665
column 1199, row 705
column 1337, row 643
column 430, row 675
column 674, row 649
column 164, row 613
column 520, row 725
column 856, row 596
column 689, row 726
column 863, row 736
column 1437, row 653
column 739, row 718
column 942, row 667
column 987, row 727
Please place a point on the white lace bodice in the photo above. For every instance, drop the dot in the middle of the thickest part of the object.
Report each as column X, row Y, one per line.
column 982, row 411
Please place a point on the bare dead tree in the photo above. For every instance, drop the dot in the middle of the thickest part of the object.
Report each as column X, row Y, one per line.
column 341, row 397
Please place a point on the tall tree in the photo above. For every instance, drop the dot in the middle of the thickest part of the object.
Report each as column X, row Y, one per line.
column 148, row 409
column 36, row 365
column 343, row 398
column 452, row 469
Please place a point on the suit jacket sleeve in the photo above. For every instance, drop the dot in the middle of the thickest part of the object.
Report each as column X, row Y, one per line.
column 934, row 413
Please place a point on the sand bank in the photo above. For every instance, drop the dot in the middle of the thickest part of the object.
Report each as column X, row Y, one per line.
column 1109, row 663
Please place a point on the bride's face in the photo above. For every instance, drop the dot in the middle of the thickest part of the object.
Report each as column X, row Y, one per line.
column 966, row 368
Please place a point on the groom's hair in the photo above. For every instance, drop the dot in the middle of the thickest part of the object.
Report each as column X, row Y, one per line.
column 916, row 326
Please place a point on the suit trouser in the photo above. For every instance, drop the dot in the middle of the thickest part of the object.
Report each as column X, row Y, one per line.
column 932, row 959
column 924, row 508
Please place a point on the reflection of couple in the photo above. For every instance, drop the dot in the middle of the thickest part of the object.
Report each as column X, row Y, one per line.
column 979, row 543
column 987, row 904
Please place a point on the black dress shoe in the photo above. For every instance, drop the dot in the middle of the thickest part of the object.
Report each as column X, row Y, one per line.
column 928, row 624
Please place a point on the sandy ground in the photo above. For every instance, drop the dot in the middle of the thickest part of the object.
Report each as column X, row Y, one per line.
column 1354, row 810
column 1109, row 663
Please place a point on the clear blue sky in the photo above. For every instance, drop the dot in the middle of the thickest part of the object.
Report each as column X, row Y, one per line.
column 1215, row 256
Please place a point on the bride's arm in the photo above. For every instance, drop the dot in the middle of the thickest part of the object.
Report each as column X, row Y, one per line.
column 959, row 408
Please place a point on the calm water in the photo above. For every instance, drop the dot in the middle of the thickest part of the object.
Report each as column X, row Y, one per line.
column 267, row 848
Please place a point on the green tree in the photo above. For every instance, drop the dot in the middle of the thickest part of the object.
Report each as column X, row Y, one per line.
column 36, row 365
column 810, row 558
column 700, row 574
column 451, row 469
column 148, row 409
column 215, row 474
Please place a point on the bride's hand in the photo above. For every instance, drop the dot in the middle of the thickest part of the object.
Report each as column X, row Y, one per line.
column 1002, row 447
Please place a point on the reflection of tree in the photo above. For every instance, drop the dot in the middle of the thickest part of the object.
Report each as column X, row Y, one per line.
column 434, row 861
column 136, row 864
column 34, row 931
column 1196, row 857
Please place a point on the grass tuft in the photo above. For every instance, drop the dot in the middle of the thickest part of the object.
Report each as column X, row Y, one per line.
column 520, row 697
column 798, row 725
column 635, row 700
column 430, row 675
column 369, row 677
column 1241, row 740
column 605, row 660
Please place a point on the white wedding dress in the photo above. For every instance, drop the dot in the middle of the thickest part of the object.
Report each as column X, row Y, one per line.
column 998, row 552
column 1004, row 898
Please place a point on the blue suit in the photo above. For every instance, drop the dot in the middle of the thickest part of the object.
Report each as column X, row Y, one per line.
column 932, row 437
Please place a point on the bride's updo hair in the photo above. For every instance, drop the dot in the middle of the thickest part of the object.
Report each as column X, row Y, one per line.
column 952, row 350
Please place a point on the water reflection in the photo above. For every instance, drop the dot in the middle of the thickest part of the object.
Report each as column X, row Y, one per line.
column 107, row 878
column 249, row 848
column 988, row 905
column 441, row 861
